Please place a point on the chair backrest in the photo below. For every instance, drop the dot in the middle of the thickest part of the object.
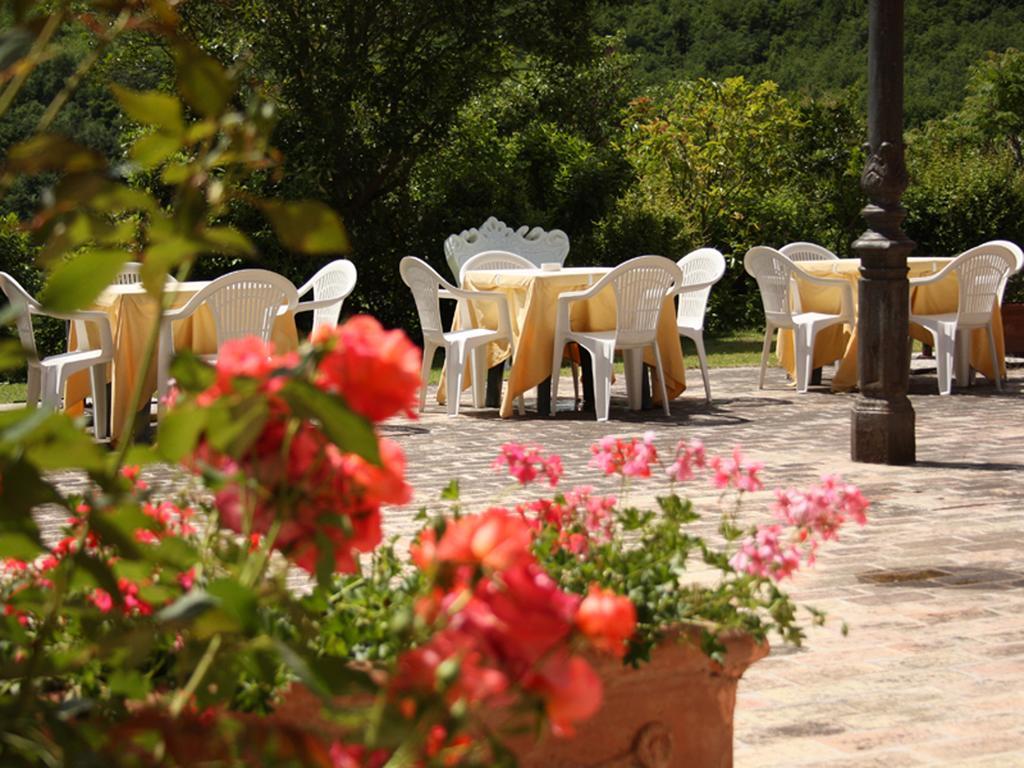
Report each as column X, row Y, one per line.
column 129, row 273
column 806, row 252
column 424, row 282
column 535, row 245
column 334, row 281
column 494, row 260
column 25, row 305
column 982, row 272
column 245, row 303
column 641, row 286
column 774, row 275
column 705, row 265
column 1018, row 256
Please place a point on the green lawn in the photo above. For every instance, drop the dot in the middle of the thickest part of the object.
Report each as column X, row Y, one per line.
column 12, row 392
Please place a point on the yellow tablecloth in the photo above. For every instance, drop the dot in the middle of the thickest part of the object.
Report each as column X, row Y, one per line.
column 132, row 313
column 533, row 301
column 839, row 343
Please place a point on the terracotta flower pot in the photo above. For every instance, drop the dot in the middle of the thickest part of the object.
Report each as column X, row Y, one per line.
column 1013, row 329
column 676, row 711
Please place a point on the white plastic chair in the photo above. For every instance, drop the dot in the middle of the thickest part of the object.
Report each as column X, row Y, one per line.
column 981, row 274
column 1018, row 256
column 243, row 303
column 641, row 286
column 801, row 251
column 47, row 376
column 701, row 270
column 776, row 278
column 428, row 287
column 330, row 286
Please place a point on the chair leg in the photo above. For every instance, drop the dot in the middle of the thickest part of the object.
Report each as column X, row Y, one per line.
column 634, row 363
column 803, row 357
column 33, row 389
column 556, row 370
column 428, row 358
column 456, row 359
column 661, row 380
column 766, row 349
column 944, row 357
column 50, row 395
column 962, row 357
column 602, row 358
column 478, row 358
column 100, row 415
column 698, row 341
column 575, row 377
column 995, row 357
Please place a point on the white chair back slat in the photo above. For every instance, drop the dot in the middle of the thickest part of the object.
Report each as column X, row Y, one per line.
column 705, row 265
column 24, row 305
column 424, row 282
column 773, row 273
column 494, row 260
column 535, row 245
column 641, row 286
column 981, row 272
column 334, row 281
column 802, row 251
column 129, row 274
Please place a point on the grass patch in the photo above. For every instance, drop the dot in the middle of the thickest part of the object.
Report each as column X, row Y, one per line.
column 12, row 392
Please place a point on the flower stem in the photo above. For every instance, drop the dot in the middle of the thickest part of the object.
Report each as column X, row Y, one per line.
column 181, row 697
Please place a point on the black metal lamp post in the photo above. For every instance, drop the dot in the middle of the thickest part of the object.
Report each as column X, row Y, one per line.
column 882, row 424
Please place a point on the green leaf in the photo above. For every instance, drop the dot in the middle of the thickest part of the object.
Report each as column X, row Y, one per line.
column 151, row 108
column 179, row 431
column 76, row 283
column 58, row 443
column 21, row 546
column 192, row 373
column 129, row 683
column 451, row 491
column 187, row 608
column 12, row 355
column 229, row 241
column 344, row 427
column 202, row 81
column 307, row 226
column 52, row 152
column 116, row 527
column 14, row 44
column 233, row 427
column 151, row 150
column 22, row 489
column 236, row 600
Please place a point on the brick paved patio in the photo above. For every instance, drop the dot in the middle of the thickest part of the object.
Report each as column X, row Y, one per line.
column 932, row 672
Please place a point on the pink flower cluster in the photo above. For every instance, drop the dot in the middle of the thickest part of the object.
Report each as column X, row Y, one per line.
column 736, row 472
column 580, row 517
column 807, row 517
column 688, row 455
column 632, row 458
column 525, row 463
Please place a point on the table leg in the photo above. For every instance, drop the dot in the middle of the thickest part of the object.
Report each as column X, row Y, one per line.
column 544, row 398
column 587, row 383
column 816, row 377
column 495, row 375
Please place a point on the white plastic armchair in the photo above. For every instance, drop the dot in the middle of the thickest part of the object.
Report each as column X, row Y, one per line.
column 129, row 274
column 330, row 286
column 494, row 260
column 701, row 270
column 776, row 277
column 641, row 286
column 47, row 375
column 536, row 245
column 243, row 303
column 981, row 274
column 1018, row 256
column 428, row 287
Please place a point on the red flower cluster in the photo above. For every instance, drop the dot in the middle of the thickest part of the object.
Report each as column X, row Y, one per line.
column 292, row 472
column 579, row 517
column 634, row 458
column 526, row 462
column 504, row 624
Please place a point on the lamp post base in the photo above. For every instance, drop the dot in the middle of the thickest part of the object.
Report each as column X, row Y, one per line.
column 882, row 431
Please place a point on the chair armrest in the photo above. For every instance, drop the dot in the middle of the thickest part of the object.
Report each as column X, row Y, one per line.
column 693, row 287
column 309, row 306
column 942, row 273
column 91, row 316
